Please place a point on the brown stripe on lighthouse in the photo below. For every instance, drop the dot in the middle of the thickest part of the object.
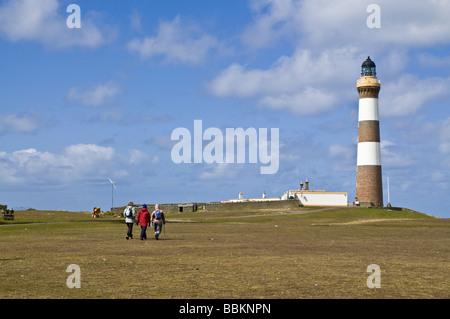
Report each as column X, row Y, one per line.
column 369, row 131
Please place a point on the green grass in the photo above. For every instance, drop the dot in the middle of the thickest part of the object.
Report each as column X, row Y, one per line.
column 293, row 253
column 39, row 216
column 306, row 214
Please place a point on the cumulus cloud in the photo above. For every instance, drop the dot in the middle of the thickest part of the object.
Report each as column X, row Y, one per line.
column 221, row 171
column 177, row 42
column 395, row 156
column 326, row 22
column 27, row 122
column 162, row 142
column 111, row 116
column 75, row 164
column 444, row 138
column 86, row 156
column 329, row 36
column 96, row 95
column 343, row 157
column 431, row 60
column 307, row 102
column 273, row 21
column 410, row 93
column 137, row 157
column 40, row 21
column 39, row 167
column 303, row 83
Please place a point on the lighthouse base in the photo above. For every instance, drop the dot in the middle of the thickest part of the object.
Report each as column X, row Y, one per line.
column 369, row 190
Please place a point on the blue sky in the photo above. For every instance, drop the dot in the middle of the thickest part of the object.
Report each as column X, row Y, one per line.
column 80, row 105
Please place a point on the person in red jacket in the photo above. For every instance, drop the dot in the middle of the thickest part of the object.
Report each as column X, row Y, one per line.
column 143, row 218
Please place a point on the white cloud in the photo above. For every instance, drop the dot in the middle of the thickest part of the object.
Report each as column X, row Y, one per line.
column 19, row 123
column 30, row 20
column 137, row 157
column 445, row 129
column 302, row 83
column 410, row 94
column 72, row 164
column 25, row 19
column 162, row 142
column 432, row 134
column 110, row 116
column 430, row 60
column 135, row 21
column 337, row 150
column 94, row 96
column 393, row 155
column 444, row 148
column 86, row 156
column 177, row 42
column 444, row 138
column 307, row 83
column 329, row 23
column 220, row 171
column 343, row 158
column 308, row 102
column 329, row 37
column 75, row 164
column 423, row 23
column 273, row 21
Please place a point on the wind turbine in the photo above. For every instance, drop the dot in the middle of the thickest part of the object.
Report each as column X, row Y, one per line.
column 112, row 192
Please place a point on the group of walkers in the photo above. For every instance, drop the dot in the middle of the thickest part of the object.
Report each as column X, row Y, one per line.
column 144, row 219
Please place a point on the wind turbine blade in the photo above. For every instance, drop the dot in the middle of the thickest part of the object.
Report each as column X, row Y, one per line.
column 110, row 180
column 114, row 185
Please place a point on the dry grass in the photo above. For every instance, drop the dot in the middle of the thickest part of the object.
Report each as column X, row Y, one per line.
column 289, row 254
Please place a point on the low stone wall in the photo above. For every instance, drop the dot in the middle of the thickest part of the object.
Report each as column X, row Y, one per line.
column 215, row 206
column 290, row 203
column 167, row 208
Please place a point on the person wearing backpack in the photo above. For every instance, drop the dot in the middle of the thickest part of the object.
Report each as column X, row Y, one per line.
column 143, row 218
column 130, row 214
column 158, row 220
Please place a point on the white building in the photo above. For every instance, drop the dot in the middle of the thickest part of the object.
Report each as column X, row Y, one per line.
column 243, row 200
column 305, row 196
column 317, row 198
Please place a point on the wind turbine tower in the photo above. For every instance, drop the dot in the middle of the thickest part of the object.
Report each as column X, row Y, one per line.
column 113, row 186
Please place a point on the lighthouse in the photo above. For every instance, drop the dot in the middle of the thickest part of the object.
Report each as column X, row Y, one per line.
column 369, row 190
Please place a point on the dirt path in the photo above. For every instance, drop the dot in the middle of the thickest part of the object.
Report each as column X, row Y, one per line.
column 364, row 221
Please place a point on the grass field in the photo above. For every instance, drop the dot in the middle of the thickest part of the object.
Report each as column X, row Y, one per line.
column 301, row 253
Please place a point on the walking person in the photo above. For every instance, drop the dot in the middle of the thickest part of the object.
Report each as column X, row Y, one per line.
column 158, row 220
column 130, row 214
column 143, row 218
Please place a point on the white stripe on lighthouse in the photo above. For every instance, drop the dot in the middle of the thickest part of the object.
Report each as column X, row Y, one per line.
column 368, row 109
column 368, row 154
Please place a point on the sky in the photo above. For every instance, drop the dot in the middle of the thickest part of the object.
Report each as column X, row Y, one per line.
column 81, row 105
